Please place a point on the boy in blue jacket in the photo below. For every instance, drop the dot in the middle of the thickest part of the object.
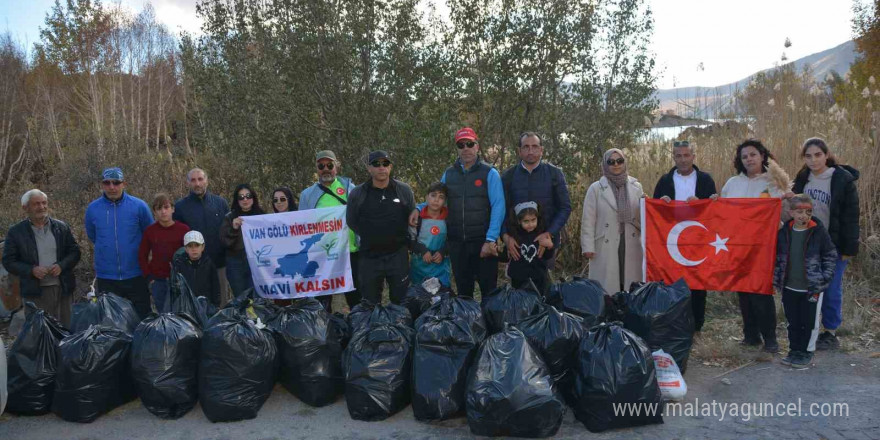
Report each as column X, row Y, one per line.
column 430, row 256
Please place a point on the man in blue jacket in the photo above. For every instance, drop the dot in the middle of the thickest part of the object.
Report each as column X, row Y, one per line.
column 534, row 180
column 203, row 211
column 115, row 223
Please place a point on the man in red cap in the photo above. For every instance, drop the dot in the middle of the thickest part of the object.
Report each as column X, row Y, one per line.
column 476, row 211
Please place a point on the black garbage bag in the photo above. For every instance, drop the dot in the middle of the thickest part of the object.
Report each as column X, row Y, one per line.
column 661, row 314
column 509, row 390
column 378, row 367
column 366, row 313
column 580, row 296
column 342, row 328
column 94, row 374
column 182, row 300
column 447, row 338
column 556, row 336
column 310, row 350
column 615, row 367
column 165, row 364
column 104, row 309
column 237, row 368
column 206, row 307
column 418, row 299
column 506, row 305
column 32, row 363
column 251, row 306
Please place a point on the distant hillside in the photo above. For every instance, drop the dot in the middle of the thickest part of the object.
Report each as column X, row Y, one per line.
column 710, row 100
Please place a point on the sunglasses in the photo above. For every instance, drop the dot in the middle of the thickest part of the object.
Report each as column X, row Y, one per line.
column 245, row 196
column 377, row 164
column 681, row 144
column 321, row 166
column 463, row 145
column 618, row 161
column 112, row 182
column 281, row 200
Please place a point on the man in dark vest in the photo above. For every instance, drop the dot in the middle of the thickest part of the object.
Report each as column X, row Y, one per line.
column 534, row 180
column 476, row 211
column 685, row 182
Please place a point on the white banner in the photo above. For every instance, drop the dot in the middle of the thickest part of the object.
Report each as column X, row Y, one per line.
column 298, row 254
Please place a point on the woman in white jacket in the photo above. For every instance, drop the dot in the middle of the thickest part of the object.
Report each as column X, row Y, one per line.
column 752, row 161
column 611, row 225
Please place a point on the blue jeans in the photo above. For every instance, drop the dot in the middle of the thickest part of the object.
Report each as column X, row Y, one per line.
column 159, row 289
column 238, row 273
column 832, row 310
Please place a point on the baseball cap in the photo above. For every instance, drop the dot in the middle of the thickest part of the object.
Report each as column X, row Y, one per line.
column 114, row 173
column 193, row 237
column 378, row 154
column 465, row 133
column 326, row 154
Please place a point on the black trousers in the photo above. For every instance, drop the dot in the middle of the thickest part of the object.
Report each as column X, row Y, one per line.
column 468, row 267
column 759, row 317
column 375, row 271
column 803, row 320
column 698, row 304
column 133, row 289
column 352, row 298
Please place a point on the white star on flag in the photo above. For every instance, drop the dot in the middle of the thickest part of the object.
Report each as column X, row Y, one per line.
column 719, row 244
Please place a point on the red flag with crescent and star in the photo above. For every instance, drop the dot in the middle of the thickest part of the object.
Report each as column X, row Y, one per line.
column 725, row 244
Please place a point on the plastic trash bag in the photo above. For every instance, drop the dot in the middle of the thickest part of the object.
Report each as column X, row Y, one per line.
column 421, row 296
column 506, row 305
column 509, row 390
column 615, row 367
column 447, row 338
column 250, row 306
column 94, row 374
column 669, row 378
column 556, row 336
column 342, row 328
column 236, row 369
column 3, row 392
column 165, row 364
column 310, row 351
column 206, row 307
column 104, row 309
column 580, row 296
column 182, row 300
column 378, row 366
column 32, row 363
column 366, row 313
column 662, row 315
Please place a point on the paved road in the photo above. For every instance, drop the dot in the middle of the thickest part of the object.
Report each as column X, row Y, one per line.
column 842, row 378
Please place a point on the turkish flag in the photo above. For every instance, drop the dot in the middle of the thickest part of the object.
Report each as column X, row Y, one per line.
column 725, row 244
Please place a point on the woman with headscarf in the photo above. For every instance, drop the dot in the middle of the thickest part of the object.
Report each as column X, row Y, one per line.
column 238, row 272
column 611, row 225
column 282, row 200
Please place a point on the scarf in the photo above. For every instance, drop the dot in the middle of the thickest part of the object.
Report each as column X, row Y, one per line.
column 618, row 187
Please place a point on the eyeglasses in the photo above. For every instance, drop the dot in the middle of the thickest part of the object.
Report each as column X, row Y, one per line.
column 377, row 164
column 245, row 196
column 463, row 145
column 321, row 166
column 112, row 182
column 618, row 161
column 281, row 200
column 681, row 144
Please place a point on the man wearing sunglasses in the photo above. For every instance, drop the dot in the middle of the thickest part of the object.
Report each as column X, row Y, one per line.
column 115, row 223
column 685, row 182
column 476, row 211
column 378, row 211
column 333, row 190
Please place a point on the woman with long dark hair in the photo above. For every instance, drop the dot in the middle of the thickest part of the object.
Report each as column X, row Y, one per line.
column 832, row 187
column 244, row 203
column 282, row 200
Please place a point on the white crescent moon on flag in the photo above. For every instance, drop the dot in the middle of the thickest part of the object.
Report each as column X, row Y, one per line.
column 672, row 243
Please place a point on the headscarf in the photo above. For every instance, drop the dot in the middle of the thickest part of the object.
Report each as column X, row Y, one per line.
column 618, row 186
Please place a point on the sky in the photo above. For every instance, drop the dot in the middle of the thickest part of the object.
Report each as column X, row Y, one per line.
column 730, row 39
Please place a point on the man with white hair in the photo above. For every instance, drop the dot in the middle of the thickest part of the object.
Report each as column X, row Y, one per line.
column 42, row 252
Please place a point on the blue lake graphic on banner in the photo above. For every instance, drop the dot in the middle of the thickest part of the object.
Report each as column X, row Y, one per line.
column 292, row 265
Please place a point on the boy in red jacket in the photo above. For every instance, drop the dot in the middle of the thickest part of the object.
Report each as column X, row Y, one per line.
column 160, row 241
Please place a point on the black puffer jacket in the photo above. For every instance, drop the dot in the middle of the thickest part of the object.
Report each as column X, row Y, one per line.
column 843, row 225
column 819, row 254
column 201, row 275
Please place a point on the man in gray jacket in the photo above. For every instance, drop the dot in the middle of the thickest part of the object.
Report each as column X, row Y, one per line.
column 332, row 190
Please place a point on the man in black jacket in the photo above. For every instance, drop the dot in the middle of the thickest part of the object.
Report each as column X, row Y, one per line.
column 685, row 183
column 378, row 211
column 42, row 252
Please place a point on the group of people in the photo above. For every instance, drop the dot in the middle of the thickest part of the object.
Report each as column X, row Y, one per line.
column 473, row 218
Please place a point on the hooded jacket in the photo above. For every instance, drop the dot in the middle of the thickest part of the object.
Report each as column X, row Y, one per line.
column 844, row 210
column 820, row 257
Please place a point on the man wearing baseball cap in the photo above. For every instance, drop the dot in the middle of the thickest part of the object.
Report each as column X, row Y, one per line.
column 378, row 211
column 333, row 190
column 115, row 223
column 476, row 211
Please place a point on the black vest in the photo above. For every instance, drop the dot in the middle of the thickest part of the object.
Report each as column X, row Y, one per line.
column 469, row 208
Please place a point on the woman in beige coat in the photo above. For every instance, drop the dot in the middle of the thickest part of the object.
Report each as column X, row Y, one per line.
column 611, row 237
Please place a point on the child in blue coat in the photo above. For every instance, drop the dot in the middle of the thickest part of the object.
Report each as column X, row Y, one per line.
column 429, row 259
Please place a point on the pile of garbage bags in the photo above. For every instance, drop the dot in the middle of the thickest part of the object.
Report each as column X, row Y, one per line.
column 579, row 296
column 662, row 316
column 33, row 362
column 556, row 336
column 507, row 305
column 106, row 309
column 419, row 297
